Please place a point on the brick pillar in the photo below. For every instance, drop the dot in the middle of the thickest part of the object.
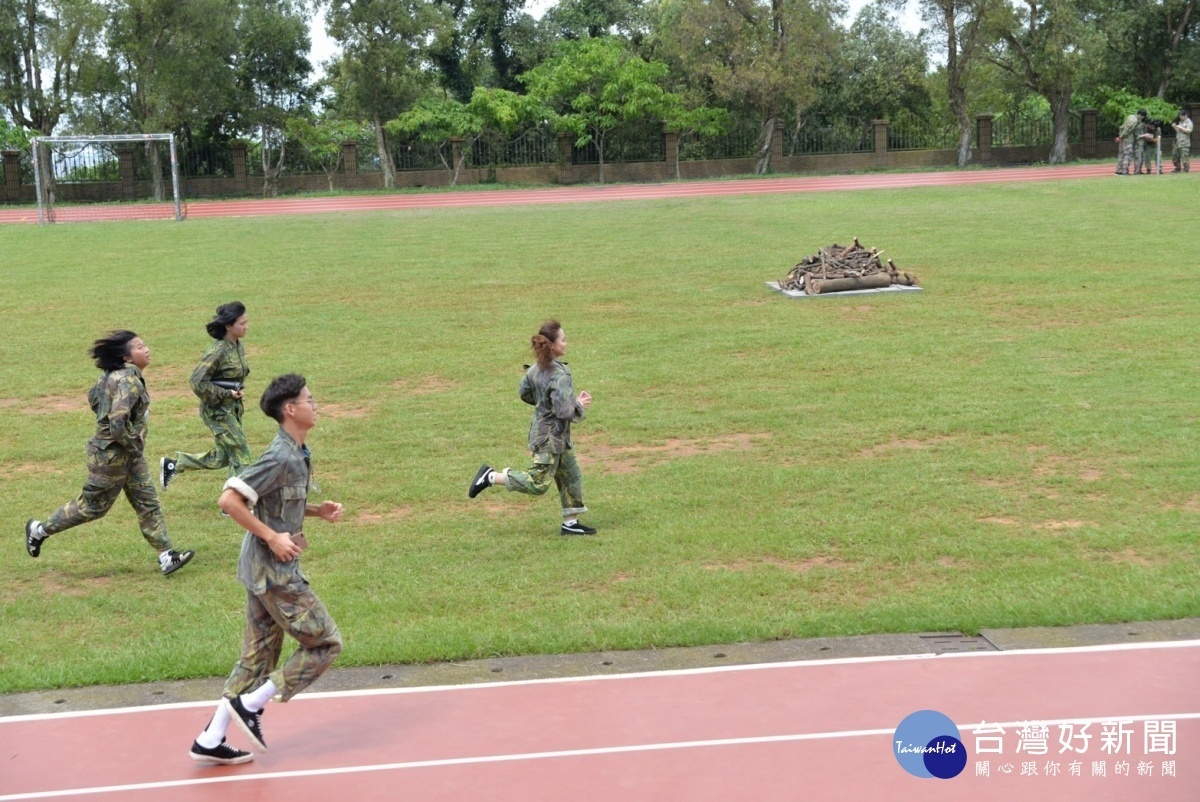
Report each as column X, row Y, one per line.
column 238, row 150
column 776, row 147
column 1088, row 119
column 880, row 128
column 983, row 136
column 671, row 151
column 127, row 171
column 350, row 163
column 566, row 153
column 12, row 174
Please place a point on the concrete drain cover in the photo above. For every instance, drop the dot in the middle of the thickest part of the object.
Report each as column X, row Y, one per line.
column 954, row 643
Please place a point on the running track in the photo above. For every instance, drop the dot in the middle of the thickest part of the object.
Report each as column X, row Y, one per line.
column 815, row 730
column 586, row 194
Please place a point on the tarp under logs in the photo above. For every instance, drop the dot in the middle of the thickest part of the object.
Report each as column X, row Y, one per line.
column 838, row 268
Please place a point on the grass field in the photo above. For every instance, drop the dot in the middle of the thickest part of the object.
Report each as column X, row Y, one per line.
column 1014, row 446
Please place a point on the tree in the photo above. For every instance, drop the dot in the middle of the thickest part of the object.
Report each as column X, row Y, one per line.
column 42, row 45
column 595, row 85
column 690, row 120
column 1044, row 45
column 322, row 139
column 272, row 71
column 762, row 55
column 379, row 74
column 1151, row 47
column 440, row 120
column 962, row 26
column 167, row 70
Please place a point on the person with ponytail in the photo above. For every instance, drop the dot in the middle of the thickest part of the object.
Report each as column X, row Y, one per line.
column 115, row 455
column 548, row 388
column 218, row 381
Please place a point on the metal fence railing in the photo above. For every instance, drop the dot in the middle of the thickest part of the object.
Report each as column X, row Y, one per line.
column 837, row 138
column 918, row 134
column 637, row 144
column 1017, row 130
column 535, row 146
column 739, row 141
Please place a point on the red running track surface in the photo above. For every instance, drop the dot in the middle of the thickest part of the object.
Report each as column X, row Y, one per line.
column 520, row 197
column 819, row 730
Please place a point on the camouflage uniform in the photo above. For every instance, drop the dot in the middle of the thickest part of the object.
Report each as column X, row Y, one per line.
column 279, row 599
column 1183, row 145
column 552, row 394
column 220, row 411
column 115, row 460
column 1131, row 129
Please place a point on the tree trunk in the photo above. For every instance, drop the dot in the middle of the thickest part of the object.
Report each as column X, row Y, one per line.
column 385, row 157
column 1060, row 107
column 155, row 162
column 600, row 152
column 762, row 163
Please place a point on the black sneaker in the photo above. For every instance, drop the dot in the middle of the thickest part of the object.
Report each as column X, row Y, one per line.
column 175, row 561
column 33, row 541
column 577, row 528
column 249, row 723
column 166, row 471
column 222, row 754
column 481, row 481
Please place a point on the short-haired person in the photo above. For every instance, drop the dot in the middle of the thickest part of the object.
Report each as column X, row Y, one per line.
column 270, row 500
column 1181, row 152
column 1129, row 137
column 221, row 366
column 548, row 387
column 115, row 455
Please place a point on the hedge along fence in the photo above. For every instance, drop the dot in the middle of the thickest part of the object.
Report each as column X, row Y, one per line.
column 641, row 153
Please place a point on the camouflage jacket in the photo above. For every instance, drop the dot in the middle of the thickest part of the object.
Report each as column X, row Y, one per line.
column 1183, row 134
column 224, row 360
column 276, row 487
column 1129, row 128
column 552, row 394
column 122, row 405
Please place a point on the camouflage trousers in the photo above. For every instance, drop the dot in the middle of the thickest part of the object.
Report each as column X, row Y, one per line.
column 562, row 469
column 111, row 470
column 230, row 449
column 1147, row 158
column 1181, row 157
column 269, row 617
column 1126, row 156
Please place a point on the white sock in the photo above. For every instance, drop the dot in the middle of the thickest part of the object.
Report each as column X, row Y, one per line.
column 257, row 700
column 164, row 557
column 571, row 522
column 214, row 733
column 41, row 532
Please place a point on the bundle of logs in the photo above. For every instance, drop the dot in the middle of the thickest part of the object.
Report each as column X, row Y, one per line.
column 844, row 267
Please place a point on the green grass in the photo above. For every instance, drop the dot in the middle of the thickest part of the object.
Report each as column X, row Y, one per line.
column 1013, row 447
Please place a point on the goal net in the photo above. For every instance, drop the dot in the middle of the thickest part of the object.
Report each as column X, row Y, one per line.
column 107, row 177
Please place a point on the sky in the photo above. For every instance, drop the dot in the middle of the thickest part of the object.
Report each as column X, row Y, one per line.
column 323, row 47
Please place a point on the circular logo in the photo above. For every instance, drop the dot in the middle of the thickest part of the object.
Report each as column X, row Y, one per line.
column 927, row 744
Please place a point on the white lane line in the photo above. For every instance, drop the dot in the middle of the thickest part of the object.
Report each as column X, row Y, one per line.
column 681, row 672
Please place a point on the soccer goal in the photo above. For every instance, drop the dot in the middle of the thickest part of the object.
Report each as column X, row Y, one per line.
column 107, row 177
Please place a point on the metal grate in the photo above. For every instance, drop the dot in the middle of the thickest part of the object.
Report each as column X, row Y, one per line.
column 956, row 642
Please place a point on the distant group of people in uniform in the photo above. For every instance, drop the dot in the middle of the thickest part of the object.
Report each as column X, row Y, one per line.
column 268, row 498
column 1140, row 141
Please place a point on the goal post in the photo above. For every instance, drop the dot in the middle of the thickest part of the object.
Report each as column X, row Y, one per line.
column 106, row 177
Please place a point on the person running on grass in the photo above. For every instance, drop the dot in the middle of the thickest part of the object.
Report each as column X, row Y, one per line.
column 270, row 500
column 548, row 387
column 218, row 381
column 115, row 455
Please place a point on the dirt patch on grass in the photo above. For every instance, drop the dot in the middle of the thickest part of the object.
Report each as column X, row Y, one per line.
column 996, row 519
column 1190, row 505
column 1056, row 525
column 383, row 517
column 1052, row 465
column 34, row 467
column 424, row 385
column 47, row 404
column 1131, row 557
column 797, row 566
column 340, row 411
column 635, row 458
column 901, row 445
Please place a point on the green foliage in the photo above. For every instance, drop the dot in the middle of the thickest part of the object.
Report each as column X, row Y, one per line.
column 1117, row 104
column 12, row 137
column 322, row 139
column 595, row 85
column 1015, row 446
